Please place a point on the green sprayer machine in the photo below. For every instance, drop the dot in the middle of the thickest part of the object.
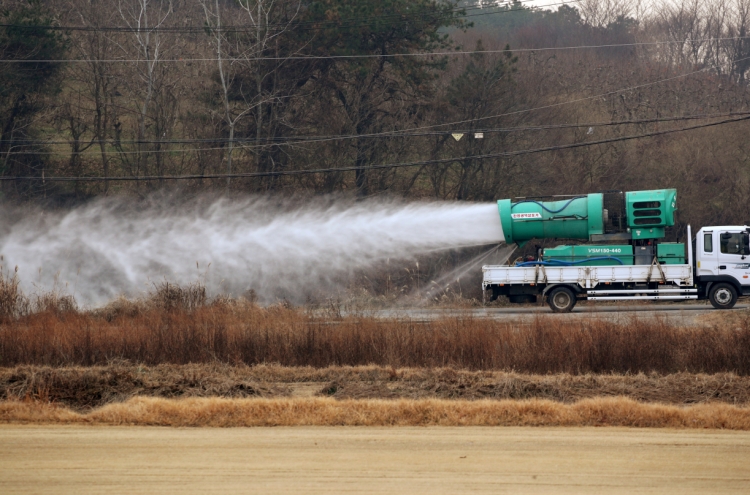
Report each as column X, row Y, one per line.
column 618, row 253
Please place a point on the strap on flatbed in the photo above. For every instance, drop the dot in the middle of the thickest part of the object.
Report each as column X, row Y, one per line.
column 655, row 261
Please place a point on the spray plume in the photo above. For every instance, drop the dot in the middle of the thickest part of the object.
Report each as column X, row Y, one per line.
column 278, row 249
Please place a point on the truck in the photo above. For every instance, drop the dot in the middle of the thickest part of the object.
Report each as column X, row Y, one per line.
column 618, row 252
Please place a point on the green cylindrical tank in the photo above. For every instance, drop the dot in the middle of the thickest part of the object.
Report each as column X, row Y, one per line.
column 574, row 218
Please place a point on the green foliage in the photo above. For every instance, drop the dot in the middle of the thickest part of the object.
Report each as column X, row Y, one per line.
column 506, row 17
column 466, row 90
column 482, row 89
column 365, row 90
column 24, row 86
column 25, row 38
column 361, row 27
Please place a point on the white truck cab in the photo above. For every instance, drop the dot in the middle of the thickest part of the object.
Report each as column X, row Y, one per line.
column 722, row 263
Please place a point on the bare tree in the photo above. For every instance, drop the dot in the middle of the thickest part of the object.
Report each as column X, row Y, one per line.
column 681, row 23
column 601, row 13
column 714, row 32
column 145, row 18
column 97, row 75
column 738, row 44
column 240, row 54
column 227, row 71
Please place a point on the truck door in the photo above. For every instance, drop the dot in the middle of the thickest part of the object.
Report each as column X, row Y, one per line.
column 707, row 253
column 733, row 256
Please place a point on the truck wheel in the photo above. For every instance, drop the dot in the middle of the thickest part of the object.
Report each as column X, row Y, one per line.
column 561, row 300
column 723, row 296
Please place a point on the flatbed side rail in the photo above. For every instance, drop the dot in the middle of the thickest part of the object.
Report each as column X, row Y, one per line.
column 587, row 277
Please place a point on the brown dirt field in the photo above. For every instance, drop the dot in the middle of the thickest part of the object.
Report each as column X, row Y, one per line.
column 81, row 460
column 197, row 412
column 83, row 388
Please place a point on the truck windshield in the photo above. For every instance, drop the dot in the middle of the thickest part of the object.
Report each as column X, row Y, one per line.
column 733, row 243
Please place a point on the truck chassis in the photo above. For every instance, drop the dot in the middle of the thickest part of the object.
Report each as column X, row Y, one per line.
column 562, row 286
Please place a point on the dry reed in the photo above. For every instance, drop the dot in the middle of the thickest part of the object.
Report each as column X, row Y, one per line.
column 13, row 303
column 238, row 332
column 214, row 412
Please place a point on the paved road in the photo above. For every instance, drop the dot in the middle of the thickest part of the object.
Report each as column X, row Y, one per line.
column 685, row 314
column 81, row 460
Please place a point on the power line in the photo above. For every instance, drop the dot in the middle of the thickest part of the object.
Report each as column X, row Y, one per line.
column 380, row 55
column 544, row 107
column 292, row 140
column 554, row 105
column 310, row 25
column 373, row 167
column 466, row 121
column 230, row 28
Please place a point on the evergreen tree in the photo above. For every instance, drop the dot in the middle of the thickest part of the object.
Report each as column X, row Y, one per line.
column 24, row 86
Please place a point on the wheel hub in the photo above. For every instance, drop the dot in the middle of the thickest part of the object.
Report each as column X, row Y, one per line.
column 561, row 300
column 723, row 296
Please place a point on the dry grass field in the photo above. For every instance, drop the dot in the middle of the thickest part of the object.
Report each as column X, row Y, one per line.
column 274, row 400
column 219, row 412
column 83, row 388
column 178, row 358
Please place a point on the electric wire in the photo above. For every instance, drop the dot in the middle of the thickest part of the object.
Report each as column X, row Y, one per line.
column 294, row 140
column 280, row 173
column 399, row 132
column 405, row 134
column 555, row 105
column 443, row 53
column 312, row 25
column 496, row 116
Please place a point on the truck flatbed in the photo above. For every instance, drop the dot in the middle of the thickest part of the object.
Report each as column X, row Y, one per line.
column 595, row 283
column 588, row 277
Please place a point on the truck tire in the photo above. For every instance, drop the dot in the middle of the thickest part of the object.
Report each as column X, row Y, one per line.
column 723, row 296
column 561, row 300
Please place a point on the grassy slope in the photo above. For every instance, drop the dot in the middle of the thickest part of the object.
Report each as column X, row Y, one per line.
column 330, row 412
column 84, row 388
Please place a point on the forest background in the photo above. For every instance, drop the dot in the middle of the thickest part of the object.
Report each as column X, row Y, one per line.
column 120, row 97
